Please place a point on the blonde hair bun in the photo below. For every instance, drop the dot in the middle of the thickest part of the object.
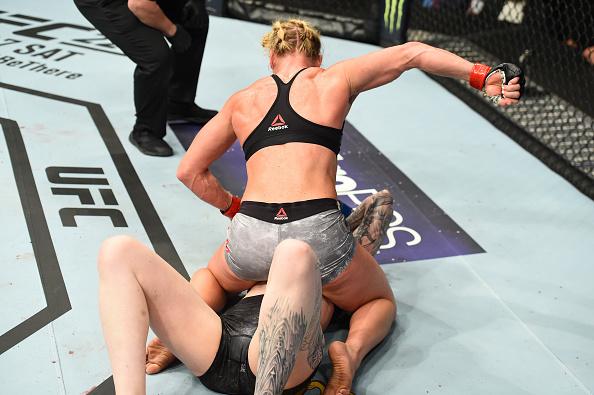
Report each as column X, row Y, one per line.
column 288, row 36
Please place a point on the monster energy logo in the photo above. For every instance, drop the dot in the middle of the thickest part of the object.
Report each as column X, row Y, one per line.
column 392, row 20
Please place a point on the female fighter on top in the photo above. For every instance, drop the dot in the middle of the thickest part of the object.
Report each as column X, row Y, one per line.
column 290, row 127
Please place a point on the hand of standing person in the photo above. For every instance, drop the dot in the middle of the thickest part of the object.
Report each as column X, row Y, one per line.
column 180, row 40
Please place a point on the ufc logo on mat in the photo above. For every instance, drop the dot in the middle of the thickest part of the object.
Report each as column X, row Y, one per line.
column 68, row 215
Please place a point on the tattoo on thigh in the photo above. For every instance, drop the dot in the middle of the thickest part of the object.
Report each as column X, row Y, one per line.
column 280, row 339
column 316, row 348
column 313, row 342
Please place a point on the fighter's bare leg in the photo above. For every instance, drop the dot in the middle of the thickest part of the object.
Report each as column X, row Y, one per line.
column 158, row 357
column 288, row 343
column 137, row 287
column 374, row 309
column 212, row 284
column 224, row 276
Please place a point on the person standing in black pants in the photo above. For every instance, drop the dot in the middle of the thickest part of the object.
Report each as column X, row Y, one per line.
column 165, row 78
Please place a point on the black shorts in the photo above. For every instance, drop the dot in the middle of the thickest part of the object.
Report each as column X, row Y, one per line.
column 230, row 371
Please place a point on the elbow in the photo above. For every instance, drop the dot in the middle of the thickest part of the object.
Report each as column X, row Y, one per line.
column 192, row 179
column 413, row 51
column 184, row 174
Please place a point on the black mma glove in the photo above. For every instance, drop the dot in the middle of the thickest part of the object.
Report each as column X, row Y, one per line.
column 181, row 40
column 509, row 71
column 194, row 15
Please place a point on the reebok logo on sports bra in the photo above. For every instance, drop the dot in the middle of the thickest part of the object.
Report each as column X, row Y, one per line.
column 290, row 127
column 278, row 124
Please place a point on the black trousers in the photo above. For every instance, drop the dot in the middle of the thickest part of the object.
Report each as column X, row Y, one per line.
column 161, row 75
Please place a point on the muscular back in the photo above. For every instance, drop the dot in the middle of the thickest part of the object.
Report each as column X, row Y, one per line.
column 299, row 171
column 293, row 171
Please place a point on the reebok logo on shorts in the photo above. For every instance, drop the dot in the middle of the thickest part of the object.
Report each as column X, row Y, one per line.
column 281, row 215
column 278, row 124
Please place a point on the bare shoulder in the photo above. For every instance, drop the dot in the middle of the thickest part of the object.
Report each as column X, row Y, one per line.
column 326, row 74
column 332, row 80
column 335, row 71
column 323, row 77
column 248, row 95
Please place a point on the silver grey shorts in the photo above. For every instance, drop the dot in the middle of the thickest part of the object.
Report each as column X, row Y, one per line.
column 251, row 241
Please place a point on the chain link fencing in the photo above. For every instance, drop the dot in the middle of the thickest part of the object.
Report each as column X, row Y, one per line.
column 553, row 41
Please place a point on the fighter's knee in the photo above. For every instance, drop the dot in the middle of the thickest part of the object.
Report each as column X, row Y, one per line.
column 134, row 6
column 204, row 276
column 112, row 252
column 296, row 254
column 390, row 301
column 388, row 295
column 295, row 248
column 201, row 273
column 395, row 308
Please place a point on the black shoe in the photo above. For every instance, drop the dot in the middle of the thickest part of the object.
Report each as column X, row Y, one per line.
column 148, row 144
column 188, row 112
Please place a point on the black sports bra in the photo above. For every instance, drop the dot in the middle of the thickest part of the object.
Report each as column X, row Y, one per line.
column 283, row 125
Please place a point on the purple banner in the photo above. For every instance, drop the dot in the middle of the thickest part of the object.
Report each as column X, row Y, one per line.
column 419, row 228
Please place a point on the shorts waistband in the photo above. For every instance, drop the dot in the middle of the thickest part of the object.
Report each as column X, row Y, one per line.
column 282, row 213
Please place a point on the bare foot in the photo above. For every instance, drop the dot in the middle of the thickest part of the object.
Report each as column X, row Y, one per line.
column 343, row 370
column 158, row 357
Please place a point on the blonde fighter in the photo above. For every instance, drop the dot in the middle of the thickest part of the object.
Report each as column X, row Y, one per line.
column 290, row 127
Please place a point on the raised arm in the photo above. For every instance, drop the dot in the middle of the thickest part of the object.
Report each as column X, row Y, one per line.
column 209, row 144
column 384, row 66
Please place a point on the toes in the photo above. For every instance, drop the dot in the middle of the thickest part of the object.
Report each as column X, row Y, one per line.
column 152, row 368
